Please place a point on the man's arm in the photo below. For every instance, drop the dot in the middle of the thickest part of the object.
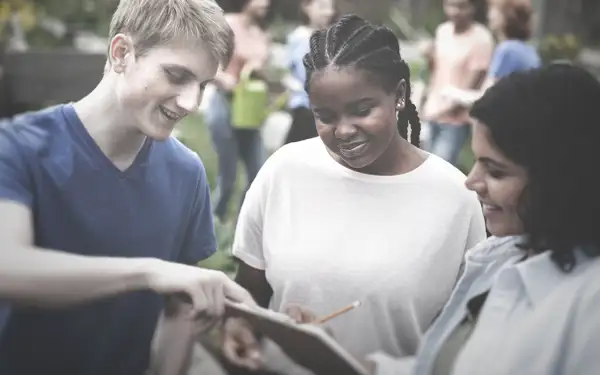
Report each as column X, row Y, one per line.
column 51, row 278
column 44, row 277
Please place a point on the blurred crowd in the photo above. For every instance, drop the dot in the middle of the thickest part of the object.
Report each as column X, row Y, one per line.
column 464, row 57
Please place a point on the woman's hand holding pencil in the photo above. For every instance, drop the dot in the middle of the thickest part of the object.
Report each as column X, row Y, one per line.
column 303, row 315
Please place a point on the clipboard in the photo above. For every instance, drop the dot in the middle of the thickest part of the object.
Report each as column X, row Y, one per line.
column 305, row 344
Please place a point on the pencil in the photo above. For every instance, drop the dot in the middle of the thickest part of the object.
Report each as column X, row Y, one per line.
column 324, row 319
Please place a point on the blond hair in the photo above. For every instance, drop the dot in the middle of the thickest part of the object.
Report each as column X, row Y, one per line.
column 157, row 22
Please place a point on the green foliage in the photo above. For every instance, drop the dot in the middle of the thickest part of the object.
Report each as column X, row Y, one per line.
column 90, row 15
column 195, row 135
column 559, row 47
column 434, row 18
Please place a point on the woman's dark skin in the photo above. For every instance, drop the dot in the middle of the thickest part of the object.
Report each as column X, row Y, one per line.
column 255, row 281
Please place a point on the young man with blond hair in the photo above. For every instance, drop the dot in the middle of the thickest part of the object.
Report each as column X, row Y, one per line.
column 102, row 212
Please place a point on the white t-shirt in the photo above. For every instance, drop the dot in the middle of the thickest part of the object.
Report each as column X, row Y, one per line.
column 327, row 236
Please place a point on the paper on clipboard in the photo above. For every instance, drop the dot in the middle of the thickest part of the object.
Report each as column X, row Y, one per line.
column 305, row 344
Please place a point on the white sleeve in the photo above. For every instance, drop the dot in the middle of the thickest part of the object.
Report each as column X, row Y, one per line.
column 248, row 240
column 477, row 232
column 582, row 355
column 386, row 365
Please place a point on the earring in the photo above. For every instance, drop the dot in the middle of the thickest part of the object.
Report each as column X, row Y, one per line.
column 399, row 107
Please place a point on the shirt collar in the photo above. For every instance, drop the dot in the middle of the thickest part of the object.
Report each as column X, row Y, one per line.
column 540, row 275
column 495, row 249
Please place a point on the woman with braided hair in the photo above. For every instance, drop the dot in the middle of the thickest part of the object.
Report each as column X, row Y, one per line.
column 360, row 212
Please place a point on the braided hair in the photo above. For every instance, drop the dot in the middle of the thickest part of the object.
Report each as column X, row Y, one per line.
column 354, row 42
column 546, row 120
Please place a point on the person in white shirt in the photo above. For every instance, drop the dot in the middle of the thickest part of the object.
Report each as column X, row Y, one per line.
column 358, row 213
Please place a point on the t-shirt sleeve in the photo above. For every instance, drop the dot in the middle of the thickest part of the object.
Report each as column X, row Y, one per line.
column 503, row 62
column 477, row 232
column 200, row 240
column 481, row 55
column 248, row 240
column 15, row 179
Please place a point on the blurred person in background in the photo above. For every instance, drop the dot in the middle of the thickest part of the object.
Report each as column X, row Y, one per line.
column 318, row 14
column 511, row 22
column 251, row 51
column 459, row 57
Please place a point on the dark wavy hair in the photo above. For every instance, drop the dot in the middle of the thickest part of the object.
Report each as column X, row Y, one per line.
column 517, row 18
column 354, row 42
column 547, row 121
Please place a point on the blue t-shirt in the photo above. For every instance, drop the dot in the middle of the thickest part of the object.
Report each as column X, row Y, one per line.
column 81, row 203
column 513, row 56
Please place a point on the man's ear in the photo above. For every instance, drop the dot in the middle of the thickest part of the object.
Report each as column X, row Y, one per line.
column 120, row 52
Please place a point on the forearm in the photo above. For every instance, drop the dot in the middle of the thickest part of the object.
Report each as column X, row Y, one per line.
column 173, row 343
column 49, row 278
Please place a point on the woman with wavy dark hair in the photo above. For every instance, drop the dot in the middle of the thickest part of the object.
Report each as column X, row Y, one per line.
column 529, row 298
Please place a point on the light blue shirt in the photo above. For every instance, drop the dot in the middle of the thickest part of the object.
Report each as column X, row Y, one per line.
column 537, row 319
column 298, row 45
column 513, row 56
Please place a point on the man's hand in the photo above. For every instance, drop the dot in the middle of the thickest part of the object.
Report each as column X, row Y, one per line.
column 241, row 346
column 206, row 289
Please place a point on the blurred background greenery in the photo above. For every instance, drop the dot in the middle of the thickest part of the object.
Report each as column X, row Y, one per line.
column 194, row 134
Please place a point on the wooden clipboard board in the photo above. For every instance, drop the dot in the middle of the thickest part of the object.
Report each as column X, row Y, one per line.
column 305, row 344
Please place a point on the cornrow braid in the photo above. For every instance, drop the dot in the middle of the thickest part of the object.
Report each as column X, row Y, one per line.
column 354, row 42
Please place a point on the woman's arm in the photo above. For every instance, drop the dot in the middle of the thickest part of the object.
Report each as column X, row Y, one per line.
column 466, row 98
column 255, row 282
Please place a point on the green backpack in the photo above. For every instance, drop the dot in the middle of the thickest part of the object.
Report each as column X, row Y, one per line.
column 249, row 105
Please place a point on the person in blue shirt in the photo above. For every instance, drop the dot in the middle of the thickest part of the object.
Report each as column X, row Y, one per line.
column 318, row 14
column 511, row 23
column 102, row 212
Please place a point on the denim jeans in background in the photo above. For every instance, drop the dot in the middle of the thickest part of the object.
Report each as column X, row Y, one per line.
column 231, row 144
column 446, row 141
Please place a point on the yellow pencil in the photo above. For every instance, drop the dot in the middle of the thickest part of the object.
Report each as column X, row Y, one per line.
column 324, row 319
